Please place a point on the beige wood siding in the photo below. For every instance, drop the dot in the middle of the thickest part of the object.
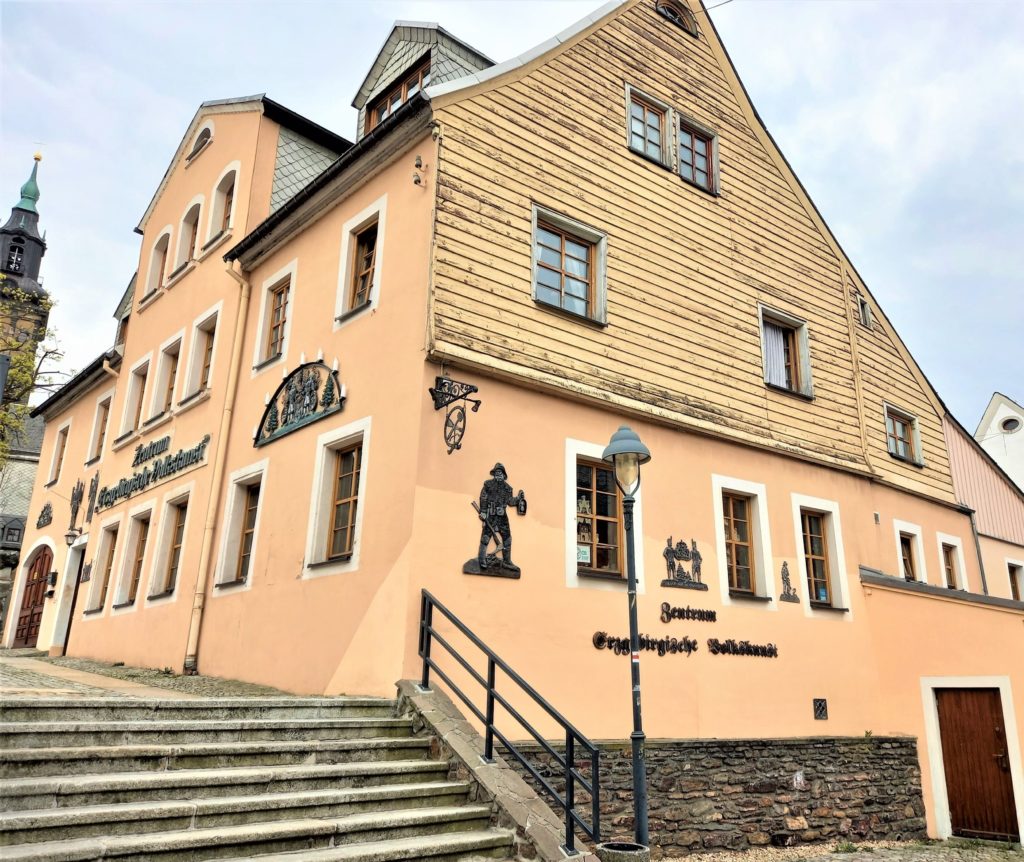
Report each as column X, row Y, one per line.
column 686, row 269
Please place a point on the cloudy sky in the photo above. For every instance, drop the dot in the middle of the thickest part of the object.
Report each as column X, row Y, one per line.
column 903, row 118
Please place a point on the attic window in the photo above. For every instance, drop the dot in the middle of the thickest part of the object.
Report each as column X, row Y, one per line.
column 391, row 100
column 679, row 15
column 202, row 139
column 1010, row 424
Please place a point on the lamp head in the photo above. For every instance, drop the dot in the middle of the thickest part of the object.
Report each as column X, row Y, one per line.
column 71, row 535
column 626, row 453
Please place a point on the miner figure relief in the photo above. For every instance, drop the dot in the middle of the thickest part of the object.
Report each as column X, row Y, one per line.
column 496, row 497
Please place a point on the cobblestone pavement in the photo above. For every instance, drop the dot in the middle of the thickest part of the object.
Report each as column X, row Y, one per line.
column 20, row 676
column 954, row 850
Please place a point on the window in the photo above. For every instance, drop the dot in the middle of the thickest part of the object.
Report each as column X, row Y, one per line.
column 901, row 435
column 598, row 520
column 697, row 161
column 201, row 356
column 819, row 587
column 1009, row 425
column 15, row 257
column 1016, row 573
column 362, row 270
column 248, row 531
column 341, row 532
column 385, row 105
column 108, row 565
column 138, row 556
column 178, row 514
column 864, row 311
column 907, row 557
column 739, row 543
column 202, row 139
column 158, row 263
column 168, row 375
column 136, row 397
column 207, row 336
column 784, row 352
column 278, row 317
column 60, row 447
column 678, row 14
column 100, row 426
column 565, row 270
column 949, row 565
column 223, row 203
column 13, row 534
column 647, row 128
column 187, row 236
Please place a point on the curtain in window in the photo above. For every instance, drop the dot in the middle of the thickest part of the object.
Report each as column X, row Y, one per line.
column 775, row 353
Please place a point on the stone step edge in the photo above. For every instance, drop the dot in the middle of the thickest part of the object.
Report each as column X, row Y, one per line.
column 206, row 749
column 13, row 728
column 75, row 849
column 400, row 849
column 48, row 818
column 113, row 781
column 198, row 703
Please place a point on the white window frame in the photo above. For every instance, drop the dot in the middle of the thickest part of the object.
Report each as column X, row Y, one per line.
column 764, row 575
column 321, row 498
column 575, row 449
column 915, row 431
column 151, row 274
column 97, row 458
column 234, row 509
column 914, row 530
column 839, row 581
column 192, row 151
column 799, row 325
column 377, row 211
column 597, row 238
column 1010, row 561
column 195, row 356
column 290, row 271
column 697, row 126
column 161, row 548
column 179, row 256
column 164, row 369
column 133, row 395
column 55, row 469
column 669, row 142
column 124, row 572
column 96, row 576
column 216, row 207
column 961, row 570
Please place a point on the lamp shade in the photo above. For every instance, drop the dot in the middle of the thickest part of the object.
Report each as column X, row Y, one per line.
column 626, row 452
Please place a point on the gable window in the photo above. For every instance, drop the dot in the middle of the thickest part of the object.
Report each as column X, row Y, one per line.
column 864, row 311
column 385, row 105
column 647, row 127
column 739, row 543
column 362, row 271
column 698, row 160
column 13, row 534
column 58, row 454
column 819, row 586
column 908, row 569
column 187, row 236
column 1016, row 573
column 569, row 266
column 277, row 310
column 341, row 534
column 784, row 352
column 598, row 520
column 678, row 14
column 202, row 139
column 901, row 435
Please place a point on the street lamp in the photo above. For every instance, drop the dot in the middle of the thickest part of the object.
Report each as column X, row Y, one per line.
column 71, row 536
column 626, row 453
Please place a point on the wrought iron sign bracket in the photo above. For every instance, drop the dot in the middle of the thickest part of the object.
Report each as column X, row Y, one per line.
column 446, row 392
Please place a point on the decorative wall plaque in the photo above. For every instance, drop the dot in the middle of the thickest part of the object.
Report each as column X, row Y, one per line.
column 94, row 487
column 495, row 497
column 45, row 517
column 446, row 392
column 86, row 572
column 788, row 593
column 310, row 393
column 678, row 576
column 76, row 502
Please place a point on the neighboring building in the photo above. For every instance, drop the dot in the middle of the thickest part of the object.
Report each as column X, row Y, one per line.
column 598, row 231
column 1000, row 434
column 25, row 313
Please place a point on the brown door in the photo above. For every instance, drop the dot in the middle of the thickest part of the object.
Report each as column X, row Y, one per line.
column 977, row 763
column 27, row 632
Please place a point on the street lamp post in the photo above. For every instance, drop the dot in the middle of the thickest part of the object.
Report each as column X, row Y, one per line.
column 626, row 453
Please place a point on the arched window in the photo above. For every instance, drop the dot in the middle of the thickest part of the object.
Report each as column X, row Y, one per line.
column 158, row 263
column 223, row 203
column 202, row 139
column 189, row 234
column 678, row 14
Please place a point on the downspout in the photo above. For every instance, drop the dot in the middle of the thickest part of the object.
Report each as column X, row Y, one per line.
column 206, row 552
column 977, row 547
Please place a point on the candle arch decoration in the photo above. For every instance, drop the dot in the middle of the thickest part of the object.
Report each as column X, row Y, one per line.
column 310, row 393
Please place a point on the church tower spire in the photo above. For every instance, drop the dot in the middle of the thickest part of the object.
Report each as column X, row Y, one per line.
column 21, row 245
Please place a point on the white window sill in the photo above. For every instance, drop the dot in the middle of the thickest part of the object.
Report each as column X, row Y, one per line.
column 156, row 421
column 125, row 439
column 213, row 243
column 200, row 396
column 179, row 274
column 149, row 299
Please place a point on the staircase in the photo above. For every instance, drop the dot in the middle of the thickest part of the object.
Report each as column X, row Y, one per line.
column 277, row 778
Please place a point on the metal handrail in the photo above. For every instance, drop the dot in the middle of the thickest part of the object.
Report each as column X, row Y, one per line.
column 573, row 737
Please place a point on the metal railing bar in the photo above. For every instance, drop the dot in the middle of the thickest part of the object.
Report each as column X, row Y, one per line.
column 457, row 690
column 526, row 725
column 530, row 768
column 472, row 671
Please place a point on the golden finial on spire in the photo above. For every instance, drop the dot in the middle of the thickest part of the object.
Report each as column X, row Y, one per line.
column 38, row 156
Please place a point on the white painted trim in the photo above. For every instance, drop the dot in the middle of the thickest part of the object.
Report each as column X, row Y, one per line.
column 599, row 239
column 378, row 211
column 179, row 255
column 585, row 449
column 290, row 272
column 18, row 593
column 320, row 498
column 919, row 561
column 764, row 575
column 231, row 524
column 132, row 527
column 961, row 570
column 216, row 196
column 192, row 152
column 839, row 579
column 162, row 546
column 91, row 452
column 163, row 370
column 53, row 475
column 65, row 590
column 933, row 740
column 195, row 359
column 96, row 575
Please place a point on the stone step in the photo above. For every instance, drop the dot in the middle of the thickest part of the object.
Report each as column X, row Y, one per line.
column 38, row 762
column 253, row 839
column 55, row 824
column 77, row 790
column 457, row 847
column 200, row 709
column 50, row 734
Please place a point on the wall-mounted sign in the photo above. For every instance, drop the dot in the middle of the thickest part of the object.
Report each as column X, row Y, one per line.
column 150, row 451
column 445, row 393
column 94, row 487
column 662, row 646
column 731, row 647
column 45, row 517
column 310, row 393
column 669, row 613
column 678, row 576
column 160, row 469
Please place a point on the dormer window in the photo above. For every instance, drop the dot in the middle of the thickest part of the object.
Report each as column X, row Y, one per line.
column 678, row 14
column 15, row 256
column 391, row 100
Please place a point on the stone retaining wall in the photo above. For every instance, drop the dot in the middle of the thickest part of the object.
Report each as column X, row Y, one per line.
column 710, row 794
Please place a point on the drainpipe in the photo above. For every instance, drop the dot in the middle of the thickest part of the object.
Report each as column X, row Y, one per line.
column 977, row 547
column 206, row 552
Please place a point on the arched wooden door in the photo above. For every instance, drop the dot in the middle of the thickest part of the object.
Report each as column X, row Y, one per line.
column 27, row 632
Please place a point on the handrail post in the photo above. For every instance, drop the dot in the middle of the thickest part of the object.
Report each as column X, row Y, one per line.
column 570, row 793
column 489, row 730
column 595, row 797
column 426, row 624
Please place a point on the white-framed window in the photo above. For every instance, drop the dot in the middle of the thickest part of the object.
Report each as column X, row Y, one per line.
column 158, row 258
column 338, row 502
column 60, row 448
column 818, row 536
column 1015, row 574
column 583, row 452
column 902, row 435
column 135, row 398
column 951, row 561
column 241, row 522
column 103, row 564
column 100, row 426
column 167, row 374
column 362, row 261
column 649, row 126
column 169, row 550
column 910, row 563
column 134, row 557
column 275, row 306
column 222, row 202
column 201, row 141
column 570, row 266
column 785, row 352
column 203, row 352
column 743, row 542
column 188, row 233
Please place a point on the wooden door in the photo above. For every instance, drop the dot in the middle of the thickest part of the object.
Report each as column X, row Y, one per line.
column 977, row 764
column 27, row 632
